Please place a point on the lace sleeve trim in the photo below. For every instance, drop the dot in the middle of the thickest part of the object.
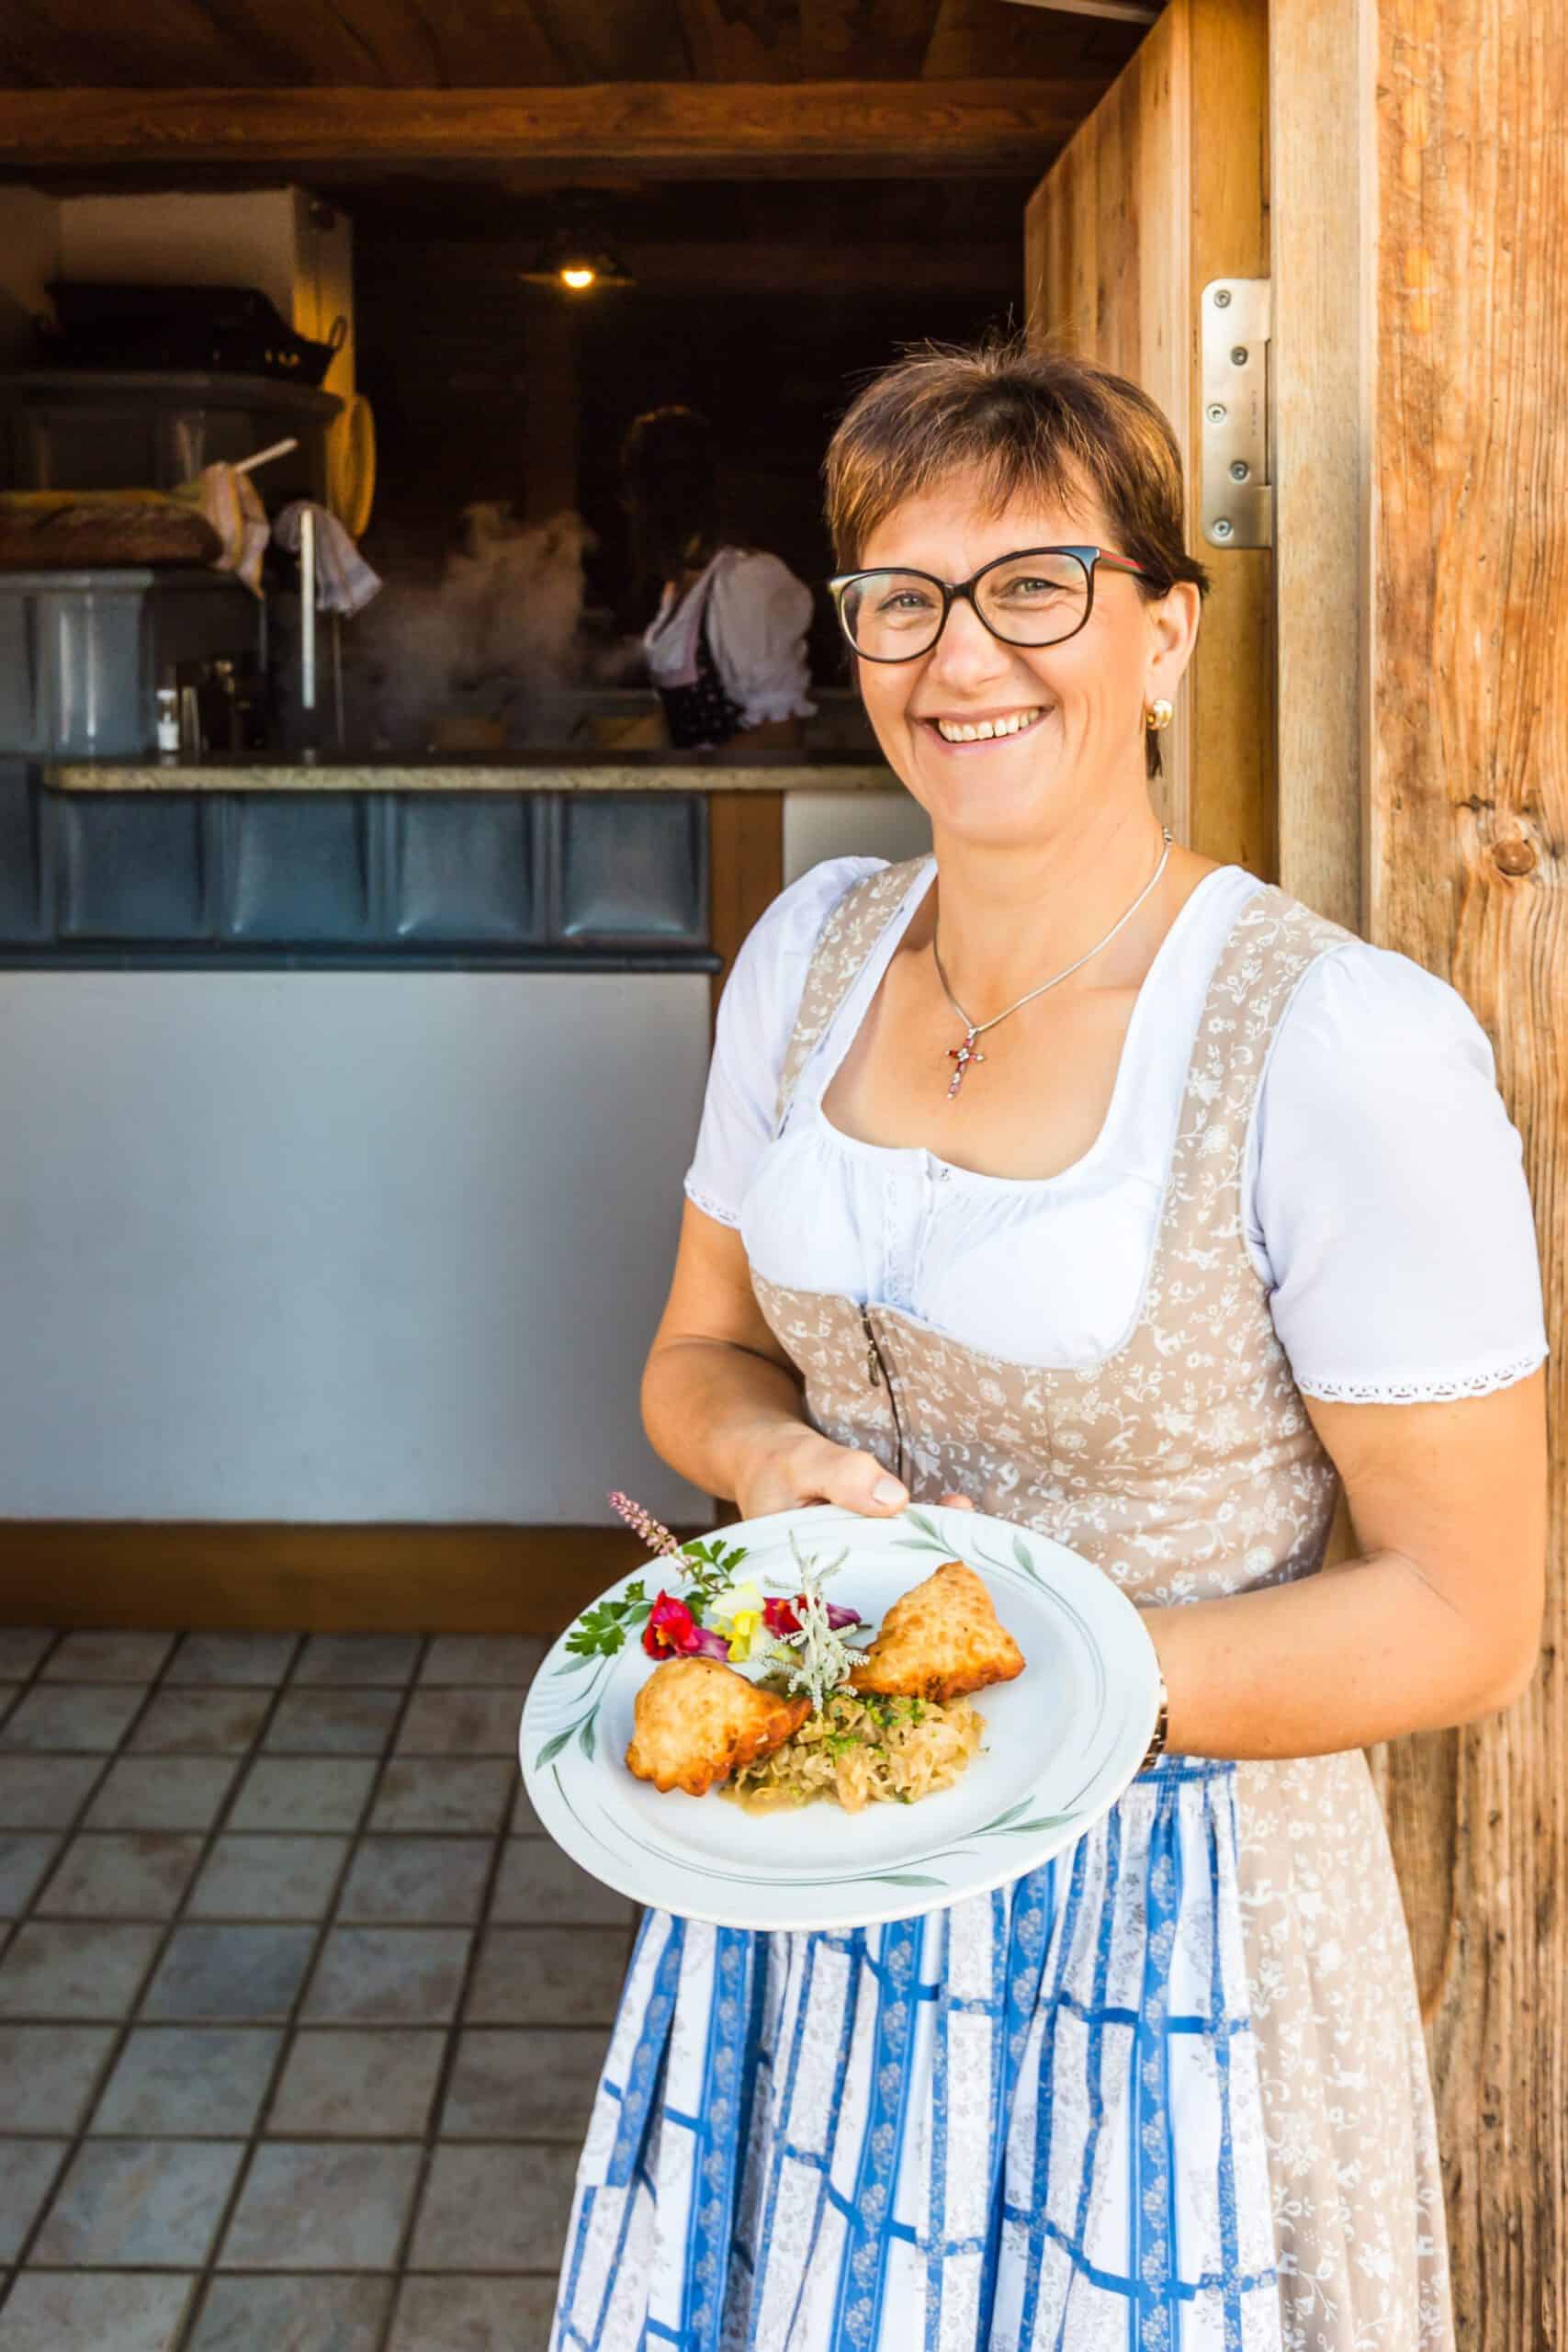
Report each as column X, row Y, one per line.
column 710, row 1208
column 1437, row 1391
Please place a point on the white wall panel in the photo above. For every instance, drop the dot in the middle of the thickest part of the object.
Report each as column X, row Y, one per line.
column 819, row 825
column 357, row 1246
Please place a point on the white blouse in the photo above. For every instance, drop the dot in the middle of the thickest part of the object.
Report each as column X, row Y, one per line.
column 758, row 614
column 1383, row 1194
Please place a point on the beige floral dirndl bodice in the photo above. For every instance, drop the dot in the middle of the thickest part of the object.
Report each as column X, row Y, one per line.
column 1184, row 1465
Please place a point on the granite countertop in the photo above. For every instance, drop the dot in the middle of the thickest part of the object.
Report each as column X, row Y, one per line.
column 519, row 772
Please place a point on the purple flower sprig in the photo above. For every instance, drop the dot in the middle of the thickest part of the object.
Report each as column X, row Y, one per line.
column 708, row 1567
column 643, row 1523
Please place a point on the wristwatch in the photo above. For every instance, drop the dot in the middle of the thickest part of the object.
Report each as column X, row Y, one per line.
column 1161, row 1730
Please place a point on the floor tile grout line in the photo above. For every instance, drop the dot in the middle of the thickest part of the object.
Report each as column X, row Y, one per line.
column 13, row 1927
column 431, row 2142
column 123, row 2026
column 243, row 1760
column 255, row 2137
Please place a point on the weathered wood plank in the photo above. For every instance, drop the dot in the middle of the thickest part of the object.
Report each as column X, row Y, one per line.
column 830, row 129
column 1467, row 846
column 1107, row 266
column 1320, row 85
column 1231, row 698
column 1163, row 188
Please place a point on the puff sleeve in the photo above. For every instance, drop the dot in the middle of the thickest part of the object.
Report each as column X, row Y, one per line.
column 1388, row 1206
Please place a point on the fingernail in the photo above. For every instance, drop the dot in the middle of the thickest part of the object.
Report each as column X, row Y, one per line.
column 888, row 1491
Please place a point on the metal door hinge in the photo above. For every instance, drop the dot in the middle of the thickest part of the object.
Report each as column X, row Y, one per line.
column 1239, row 496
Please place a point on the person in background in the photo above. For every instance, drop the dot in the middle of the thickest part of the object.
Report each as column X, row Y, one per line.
column 726, row 648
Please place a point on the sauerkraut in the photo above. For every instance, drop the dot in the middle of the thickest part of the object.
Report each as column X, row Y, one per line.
column 859, row 1751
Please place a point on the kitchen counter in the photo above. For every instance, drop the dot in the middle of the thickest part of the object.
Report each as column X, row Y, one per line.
column 535, row 861
column 520, row 772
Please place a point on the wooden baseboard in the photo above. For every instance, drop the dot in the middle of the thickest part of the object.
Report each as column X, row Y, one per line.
column 223, row 1575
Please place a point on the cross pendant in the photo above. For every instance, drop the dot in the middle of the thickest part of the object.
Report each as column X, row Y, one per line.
column 962, row 1055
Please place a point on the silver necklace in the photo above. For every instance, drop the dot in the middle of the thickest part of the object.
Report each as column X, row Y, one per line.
column 965, row 1054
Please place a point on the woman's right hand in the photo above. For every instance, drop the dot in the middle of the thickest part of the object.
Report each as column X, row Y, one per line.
column 783, row 1471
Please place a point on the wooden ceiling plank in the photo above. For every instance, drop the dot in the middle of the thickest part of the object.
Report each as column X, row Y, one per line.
column 486, row 44
column 167, row 43
column 972, row 37
column 881, row 40
column 614, row 41
column 742, row 40
column 668, row 130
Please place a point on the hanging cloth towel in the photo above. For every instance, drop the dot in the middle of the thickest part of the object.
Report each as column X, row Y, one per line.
column 236, row 513
column 344, row 582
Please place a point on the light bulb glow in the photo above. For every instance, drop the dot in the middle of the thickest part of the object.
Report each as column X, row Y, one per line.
column 578, row 277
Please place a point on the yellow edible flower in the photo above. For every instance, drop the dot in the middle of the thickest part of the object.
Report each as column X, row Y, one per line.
column 743, row 1632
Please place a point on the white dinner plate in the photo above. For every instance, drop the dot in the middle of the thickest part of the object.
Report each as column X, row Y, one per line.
column 1062, row 1741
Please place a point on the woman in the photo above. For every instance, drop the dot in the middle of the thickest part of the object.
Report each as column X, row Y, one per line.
column 1109, row 1189
column 726, row 648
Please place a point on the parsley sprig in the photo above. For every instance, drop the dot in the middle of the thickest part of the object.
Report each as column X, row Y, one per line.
column 698, row 1571
column 602, row 1631
column 710, row 1570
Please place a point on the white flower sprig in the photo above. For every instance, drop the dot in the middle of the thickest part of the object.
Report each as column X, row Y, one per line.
column 816, row 1657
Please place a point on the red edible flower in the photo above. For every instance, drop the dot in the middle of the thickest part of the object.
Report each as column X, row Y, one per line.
column 668, row 1623
column 672, row 1630
column 779, row 1616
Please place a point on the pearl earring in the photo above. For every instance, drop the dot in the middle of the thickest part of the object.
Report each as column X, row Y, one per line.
column 1158, row 716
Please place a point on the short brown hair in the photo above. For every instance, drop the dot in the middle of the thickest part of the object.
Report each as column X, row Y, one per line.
column 1031, row 422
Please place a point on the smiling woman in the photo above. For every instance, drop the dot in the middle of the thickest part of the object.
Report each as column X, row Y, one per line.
column 1173, row 1264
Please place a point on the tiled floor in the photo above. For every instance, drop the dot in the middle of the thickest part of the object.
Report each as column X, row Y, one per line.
column 299, row 2017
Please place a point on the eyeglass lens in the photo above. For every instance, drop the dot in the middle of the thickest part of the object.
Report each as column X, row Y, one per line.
column 1025, row 600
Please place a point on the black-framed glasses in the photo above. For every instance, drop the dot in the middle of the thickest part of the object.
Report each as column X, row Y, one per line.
column 1037, row 597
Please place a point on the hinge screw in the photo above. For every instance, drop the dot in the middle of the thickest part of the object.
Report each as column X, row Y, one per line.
column 1222, row 527
column 1240, row 469
column 1222, row 297
column 1216, row 412
column 1239, row 355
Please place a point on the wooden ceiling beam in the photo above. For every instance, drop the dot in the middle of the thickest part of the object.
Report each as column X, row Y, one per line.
column 662, row 131
column 768, row 265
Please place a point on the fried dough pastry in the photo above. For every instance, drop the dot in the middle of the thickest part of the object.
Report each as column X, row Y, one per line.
column 696, row 1721
column 938, row 1641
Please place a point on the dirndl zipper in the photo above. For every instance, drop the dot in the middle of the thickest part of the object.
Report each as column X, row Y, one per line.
column 879, row 1376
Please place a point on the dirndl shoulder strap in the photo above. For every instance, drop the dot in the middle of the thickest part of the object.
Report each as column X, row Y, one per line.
column 844, row 945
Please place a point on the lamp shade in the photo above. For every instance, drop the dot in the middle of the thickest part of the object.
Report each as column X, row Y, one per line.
column 578, row 262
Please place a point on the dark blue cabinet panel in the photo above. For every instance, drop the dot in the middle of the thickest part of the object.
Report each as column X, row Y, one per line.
column 26, row 913
column 632, row 866
column 464, row 867
column 133, row 865
column 297, row 868
column 529, row 879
